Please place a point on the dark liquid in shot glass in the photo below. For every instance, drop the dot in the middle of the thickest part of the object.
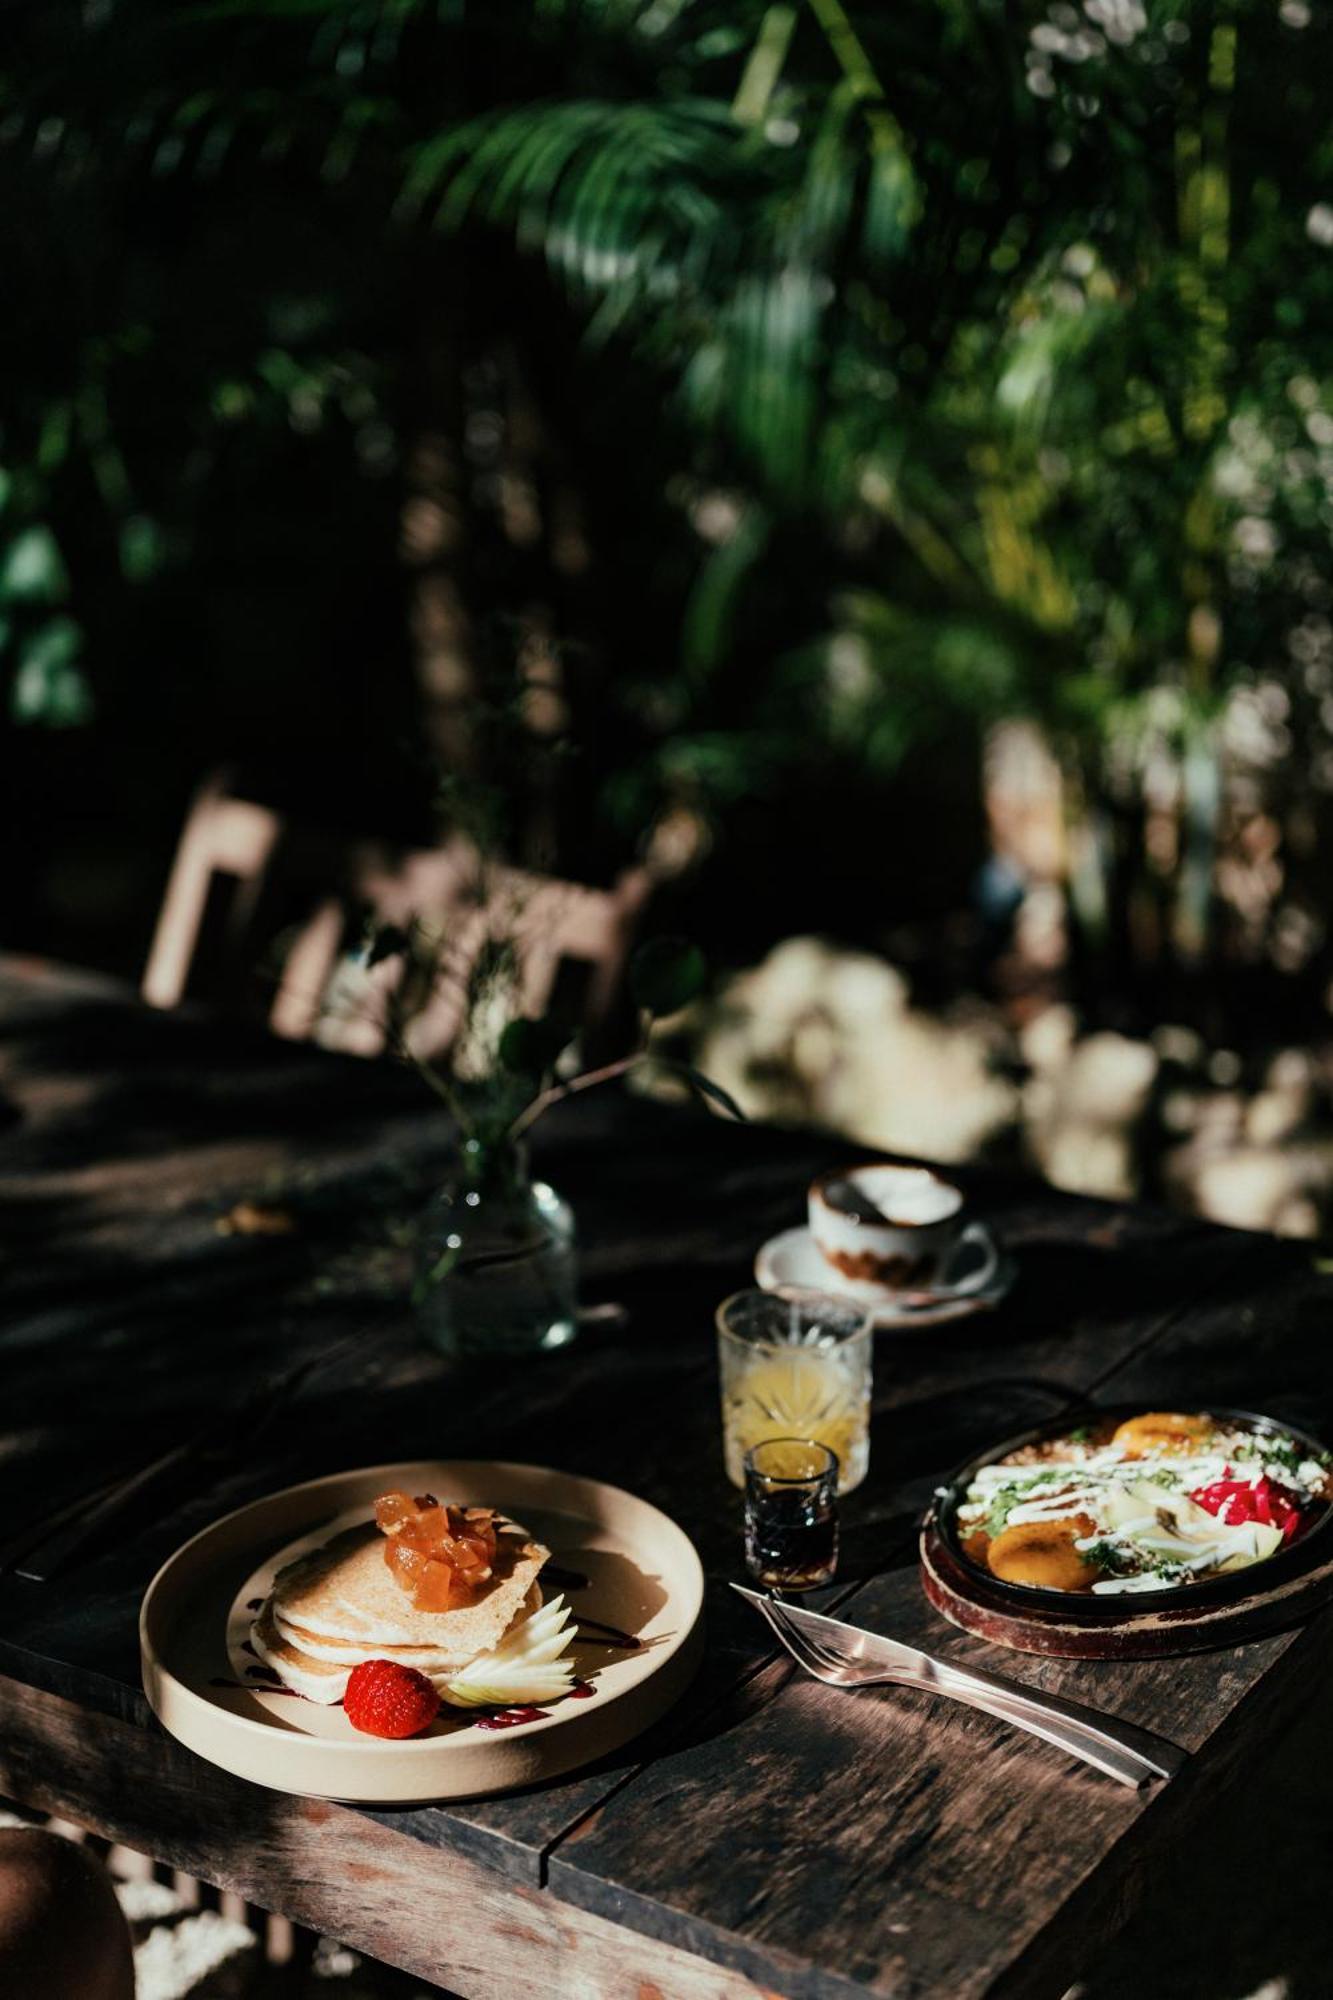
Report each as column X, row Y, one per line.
column 791, row 1540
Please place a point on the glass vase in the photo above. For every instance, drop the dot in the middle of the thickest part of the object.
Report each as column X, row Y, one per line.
column 497, row 1267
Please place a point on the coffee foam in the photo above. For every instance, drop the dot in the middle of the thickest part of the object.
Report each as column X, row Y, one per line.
column 908, row 1195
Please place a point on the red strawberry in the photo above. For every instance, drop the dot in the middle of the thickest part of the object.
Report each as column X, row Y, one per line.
column 384, row 1699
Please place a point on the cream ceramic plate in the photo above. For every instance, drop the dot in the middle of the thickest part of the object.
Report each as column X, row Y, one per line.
column 643, row 1579
column 794, row 1259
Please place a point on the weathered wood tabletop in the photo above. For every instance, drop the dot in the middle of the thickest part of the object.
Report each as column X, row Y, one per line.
column 772, row 1836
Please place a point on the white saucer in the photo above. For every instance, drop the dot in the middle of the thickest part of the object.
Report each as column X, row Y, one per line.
column 792, row 1259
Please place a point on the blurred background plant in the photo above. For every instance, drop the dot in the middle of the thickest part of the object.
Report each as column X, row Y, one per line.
column 504, row 1069
column 893, row 442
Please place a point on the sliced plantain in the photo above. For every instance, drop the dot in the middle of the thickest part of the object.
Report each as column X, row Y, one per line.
column 1159, row 1431
column 1043, row 1553
column 976, row 1546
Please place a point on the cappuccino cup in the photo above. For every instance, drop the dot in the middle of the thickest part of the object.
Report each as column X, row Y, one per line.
column 891, row 1230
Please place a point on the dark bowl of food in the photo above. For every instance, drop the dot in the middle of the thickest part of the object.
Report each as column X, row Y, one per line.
column 1124, row 1530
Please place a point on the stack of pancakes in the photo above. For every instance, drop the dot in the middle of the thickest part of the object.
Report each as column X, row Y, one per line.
column 339, row 1605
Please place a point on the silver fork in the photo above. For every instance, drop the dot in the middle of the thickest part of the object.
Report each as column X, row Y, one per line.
column 1131, row 1756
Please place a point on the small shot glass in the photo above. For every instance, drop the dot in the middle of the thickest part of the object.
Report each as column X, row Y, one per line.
column 791, row 1513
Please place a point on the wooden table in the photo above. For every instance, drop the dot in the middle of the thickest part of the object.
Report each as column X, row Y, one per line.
column 772, row 1836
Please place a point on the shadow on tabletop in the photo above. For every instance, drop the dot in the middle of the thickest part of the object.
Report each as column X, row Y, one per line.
column 930, row 1435
column 1255, row 1927
column 1058, row 1281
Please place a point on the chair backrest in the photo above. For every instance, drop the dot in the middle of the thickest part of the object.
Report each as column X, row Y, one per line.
column 326, row 991
column 222, row 836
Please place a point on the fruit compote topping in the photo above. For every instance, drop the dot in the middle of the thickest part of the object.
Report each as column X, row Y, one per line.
column 440, row 1556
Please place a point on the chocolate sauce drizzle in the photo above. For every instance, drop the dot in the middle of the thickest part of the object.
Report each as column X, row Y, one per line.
column 262, row 1685
column 598, row 1634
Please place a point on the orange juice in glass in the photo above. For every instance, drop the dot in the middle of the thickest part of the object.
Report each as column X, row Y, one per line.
column 795, row 1365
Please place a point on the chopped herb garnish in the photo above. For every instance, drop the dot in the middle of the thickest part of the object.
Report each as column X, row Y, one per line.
column 1081, row 1435
column 1106, row 1557
column 1008, row 1496
column 1164, row 1477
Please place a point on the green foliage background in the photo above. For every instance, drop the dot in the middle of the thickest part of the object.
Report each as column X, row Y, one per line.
column 863, row 373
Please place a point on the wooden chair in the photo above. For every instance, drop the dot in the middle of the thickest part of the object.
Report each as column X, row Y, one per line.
column 325, row 990
column 222, row 836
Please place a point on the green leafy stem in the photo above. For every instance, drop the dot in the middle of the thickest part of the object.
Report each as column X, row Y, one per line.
column 666, row 975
